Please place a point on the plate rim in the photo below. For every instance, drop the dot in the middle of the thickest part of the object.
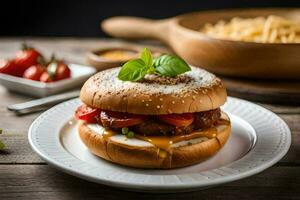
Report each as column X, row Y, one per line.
column 180, row 185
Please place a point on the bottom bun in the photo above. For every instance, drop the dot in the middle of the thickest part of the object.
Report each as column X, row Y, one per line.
column 142, row 154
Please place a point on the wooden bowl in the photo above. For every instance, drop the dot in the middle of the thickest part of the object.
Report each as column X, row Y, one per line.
column 225, row 57
column 95, row 59
column 99, row 62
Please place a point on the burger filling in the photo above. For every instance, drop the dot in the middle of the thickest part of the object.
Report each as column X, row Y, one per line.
column 157, row 125
column 171, row 124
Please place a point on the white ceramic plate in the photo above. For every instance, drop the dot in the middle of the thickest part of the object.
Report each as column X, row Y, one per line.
column 259, row 139
column 79, row 74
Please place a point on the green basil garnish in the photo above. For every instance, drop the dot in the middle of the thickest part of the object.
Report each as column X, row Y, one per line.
column 169, row 65
column 133, row 70
column 166, row 65
column 146, row 56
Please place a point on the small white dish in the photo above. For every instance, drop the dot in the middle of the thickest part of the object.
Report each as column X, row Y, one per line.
column 259, row 139
column 79, row 74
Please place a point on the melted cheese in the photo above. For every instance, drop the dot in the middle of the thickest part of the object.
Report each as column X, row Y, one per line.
column 107, row 134
column 163, row 143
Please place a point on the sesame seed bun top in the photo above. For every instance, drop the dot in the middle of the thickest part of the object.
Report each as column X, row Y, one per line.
column 193, row 91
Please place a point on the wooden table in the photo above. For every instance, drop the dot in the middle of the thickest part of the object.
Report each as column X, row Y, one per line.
column 23, row 175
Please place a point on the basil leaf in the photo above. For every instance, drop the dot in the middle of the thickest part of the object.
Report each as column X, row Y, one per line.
column 166, row 70
column 169, row 65
column 133, row 70
column 146, row 56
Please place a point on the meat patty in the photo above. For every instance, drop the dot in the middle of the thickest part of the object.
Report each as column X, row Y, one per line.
column 153, row 126
column 206, row 119
column 156, row 127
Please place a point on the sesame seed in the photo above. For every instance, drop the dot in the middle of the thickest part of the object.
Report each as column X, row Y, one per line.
column 169, row 111
column 150, row 100
column 134, row 95
column 162, row 106
column 182, row 101
column 173, row 102
column 194, row 97
column 161, row 99
column 143, row 100
column 147, row 104
column 158, row 107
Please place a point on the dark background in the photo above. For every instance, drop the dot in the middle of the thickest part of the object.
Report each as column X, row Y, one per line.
column 82, row 18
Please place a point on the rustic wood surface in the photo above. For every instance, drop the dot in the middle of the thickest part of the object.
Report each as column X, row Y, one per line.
column 24, row 175
column 271, row 91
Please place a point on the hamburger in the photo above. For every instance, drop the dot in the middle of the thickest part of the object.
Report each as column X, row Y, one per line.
column 166, row 117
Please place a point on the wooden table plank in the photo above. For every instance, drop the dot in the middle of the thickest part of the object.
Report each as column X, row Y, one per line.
column 292, row 120
column 44, row 182
column 281, row 109
column 18, row 150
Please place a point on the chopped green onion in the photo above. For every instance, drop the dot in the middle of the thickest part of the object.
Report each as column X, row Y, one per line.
column 130, row 134
column 125, row 130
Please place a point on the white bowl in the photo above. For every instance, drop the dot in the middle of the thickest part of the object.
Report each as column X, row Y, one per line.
column 79, row 74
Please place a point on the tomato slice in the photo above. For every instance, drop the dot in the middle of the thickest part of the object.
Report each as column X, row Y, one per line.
column 179, row 120
column 87, row 113
column 119, row 119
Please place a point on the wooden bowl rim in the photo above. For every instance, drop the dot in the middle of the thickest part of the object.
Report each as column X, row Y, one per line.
column 93, row 54
column 176, row 22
